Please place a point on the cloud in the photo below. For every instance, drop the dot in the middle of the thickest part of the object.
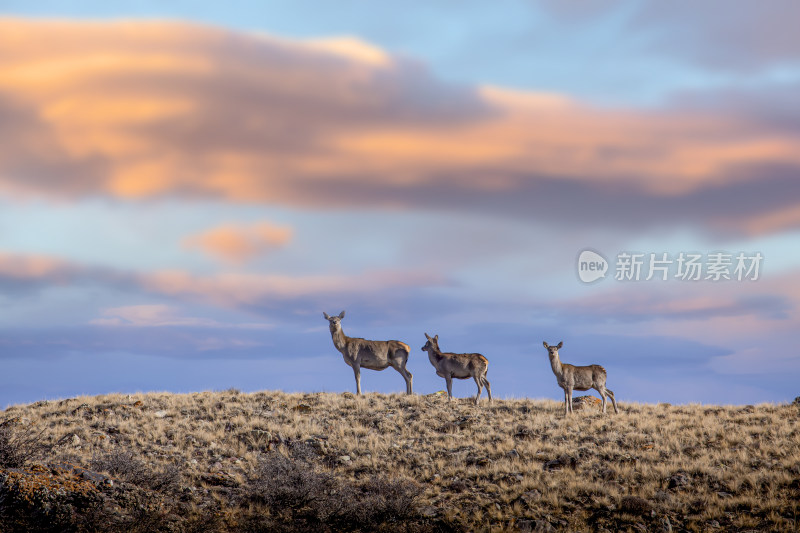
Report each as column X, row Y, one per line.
column 718, row 34
column 239, row 243
column 160, row 315
column 750, row 37
column 138, row 110
column 231, row 290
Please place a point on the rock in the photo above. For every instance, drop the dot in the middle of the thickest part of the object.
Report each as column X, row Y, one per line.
column 428, row 511
column 81, row 407
column 535, row 526
column 679, row 480
column 302, row 408
column 318, row 445
column 587, row 402
column 478, row 460
column 160, row 414
column 666, row 525
column 512, row 454
column 523, row 433
column 635, row 505
column 561, row 462
column 13, row 421
column 531, row 496
column 348, row 395
column 219, row 479
column 343, row 459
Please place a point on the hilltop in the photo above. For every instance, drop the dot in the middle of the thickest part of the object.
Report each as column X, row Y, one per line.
column 270, row 461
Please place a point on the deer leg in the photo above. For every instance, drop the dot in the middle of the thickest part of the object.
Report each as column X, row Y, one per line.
column 569, row 400
column 402, row 357
column 566, row 401
column 488, row 388
column 449, row 379
column 400, row 366
column 477, row 379
column 613, row 400
column 603, row 392
column 357, row 373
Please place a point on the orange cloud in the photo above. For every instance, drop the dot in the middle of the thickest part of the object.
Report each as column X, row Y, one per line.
column 144, row 109
column 228, row 289
column 240, row 243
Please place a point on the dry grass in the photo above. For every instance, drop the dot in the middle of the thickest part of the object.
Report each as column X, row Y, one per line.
column 517, row 464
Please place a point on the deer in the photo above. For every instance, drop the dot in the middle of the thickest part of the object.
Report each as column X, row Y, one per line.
column 459, row 366
column 579, row 378
column 374, row 355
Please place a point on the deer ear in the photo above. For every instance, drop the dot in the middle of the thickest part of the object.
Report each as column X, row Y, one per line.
column 327, row 317
column 341, row 315
column 560, row 344
column 427, row 336
column 545, row 344
column 436, row 338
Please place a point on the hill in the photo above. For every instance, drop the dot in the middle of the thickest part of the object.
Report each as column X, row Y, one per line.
column 270, row 461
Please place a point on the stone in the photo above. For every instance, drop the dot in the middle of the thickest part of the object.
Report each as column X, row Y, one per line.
column 302, row 408
column 561, row 462
column 343, row 459
column 531, row 496
column 160, row 414
column 635, row 505
column 523, row 433
column 428, row 511
column 586, row 402
column 679, row 480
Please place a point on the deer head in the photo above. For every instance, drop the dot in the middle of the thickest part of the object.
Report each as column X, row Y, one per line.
column 432, row 344
column 335, row 321
column 552, row 351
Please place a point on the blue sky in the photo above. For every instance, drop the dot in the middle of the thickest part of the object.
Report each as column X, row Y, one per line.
column 185, row 187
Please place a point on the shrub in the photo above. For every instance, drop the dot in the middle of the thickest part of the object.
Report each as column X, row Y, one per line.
column 125, row 466
column 19, row 446
column 296, row 491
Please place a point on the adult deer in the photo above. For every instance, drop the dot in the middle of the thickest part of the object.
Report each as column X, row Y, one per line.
column 459, row 366
column 374, row 355
column 580, row 378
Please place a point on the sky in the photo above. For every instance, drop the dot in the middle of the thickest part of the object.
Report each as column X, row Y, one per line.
column 185, row 187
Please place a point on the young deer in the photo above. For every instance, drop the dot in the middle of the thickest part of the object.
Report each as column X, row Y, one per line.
column 459, row 366
column 374, row 355
column 581, row 378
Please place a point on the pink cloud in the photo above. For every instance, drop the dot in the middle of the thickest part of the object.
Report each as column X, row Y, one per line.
column 160, row 315
column 227, row 289
column 137, row 110
column 237, row 243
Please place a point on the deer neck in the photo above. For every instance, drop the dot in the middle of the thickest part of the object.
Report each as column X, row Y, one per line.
column 339, row 338
column 435, row 356
column 555, row 362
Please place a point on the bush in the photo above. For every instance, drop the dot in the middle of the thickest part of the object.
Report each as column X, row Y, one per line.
column 125, row 466
column 19, row 446
column 310, row 499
